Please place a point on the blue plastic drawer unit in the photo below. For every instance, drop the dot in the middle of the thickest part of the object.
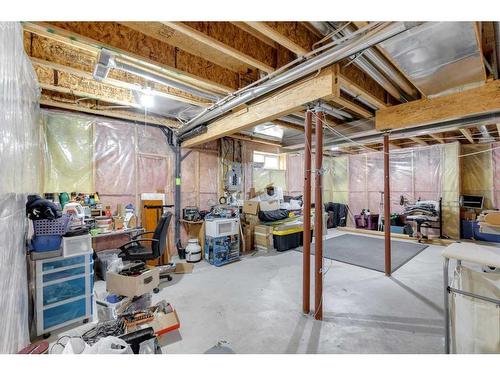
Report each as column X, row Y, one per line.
column 64, row 291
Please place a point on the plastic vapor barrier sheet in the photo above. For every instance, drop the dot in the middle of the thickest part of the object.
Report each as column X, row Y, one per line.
column 20, row 176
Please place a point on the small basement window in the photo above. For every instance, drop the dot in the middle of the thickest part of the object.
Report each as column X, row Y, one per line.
column 269, row 161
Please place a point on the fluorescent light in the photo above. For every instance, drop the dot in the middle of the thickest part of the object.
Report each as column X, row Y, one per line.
column 335, row 148
column 147, row 98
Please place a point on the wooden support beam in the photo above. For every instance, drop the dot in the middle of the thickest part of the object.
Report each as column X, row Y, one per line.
column 247, row 28
column 164, row 33
column 475, row 101
column 278, row 37
column 498, row 130
column 288, row 125
column 438, row 137
column 142, row 49
column 219, row 46
column 250, row 138
column 277, row 104
column 419, row 141
column 353, row 107
column 467, row 134
column 47, row 100
column 393, row 144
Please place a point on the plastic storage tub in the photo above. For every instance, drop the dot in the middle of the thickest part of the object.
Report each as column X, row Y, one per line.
column 288, row 239
column 76, row 245
column 46, row 243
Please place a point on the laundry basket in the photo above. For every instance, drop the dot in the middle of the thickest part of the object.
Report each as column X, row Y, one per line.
column 45, row 227
column 475, row 323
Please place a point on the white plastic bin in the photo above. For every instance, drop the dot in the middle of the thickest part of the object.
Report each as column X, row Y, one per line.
column 76, row 245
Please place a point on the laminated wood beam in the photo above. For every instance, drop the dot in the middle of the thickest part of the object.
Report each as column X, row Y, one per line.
column 176, row 64
column 219, row 47
column 278, row 37
column 467, row 134
column 277, row 104
column 481, row 100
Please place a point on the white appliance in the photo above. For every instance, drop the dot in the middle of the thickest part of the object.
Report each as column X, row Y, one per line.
column 222, row 227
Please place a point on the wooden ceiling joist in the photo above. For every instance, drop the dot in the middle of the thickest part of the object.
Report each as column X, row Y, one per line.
column 475, row 101
column 176, row 64
column 498, row 130
column 467, row 134
column 223, row 48
column 278, row 104
column 287, row 125
column 249, row 138
column 278, row 37
column 437, row 137
column 419, row 141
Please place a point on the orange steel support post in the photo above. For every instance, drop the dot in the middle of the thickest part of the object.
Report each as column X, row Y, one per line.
column 318, row 220
column 306, row 254
column 387, row 207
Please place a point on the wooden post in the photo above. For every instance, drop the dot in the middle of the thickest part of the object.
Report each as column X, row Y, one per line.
column 387, row 207
column 306, row 254
column 318, row 220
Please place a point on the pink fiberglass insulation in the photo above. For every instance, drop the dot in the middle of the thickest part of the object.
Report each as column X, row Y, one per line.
column 114, row 158
column 153, row 174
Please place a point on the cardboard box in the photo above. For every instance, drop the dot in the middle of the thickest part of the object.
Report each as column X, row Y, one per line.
column 133, row 286
column 248, row 234
column 164, row 323
column 252, row 219
column 269, row 205
column 263, row 237
column 251, row 207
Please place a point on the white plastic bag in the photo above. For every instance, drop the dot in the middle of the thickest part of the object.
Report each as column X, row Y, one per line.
column 109, row 345
column 115, row 264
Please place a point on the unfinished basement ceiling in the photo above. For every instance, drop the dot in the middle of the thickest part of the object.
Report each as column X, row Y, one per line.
column 438, row 56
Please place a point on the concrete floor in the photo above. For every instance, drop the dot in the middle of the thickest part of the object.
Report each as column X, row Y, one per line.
column 254, row 306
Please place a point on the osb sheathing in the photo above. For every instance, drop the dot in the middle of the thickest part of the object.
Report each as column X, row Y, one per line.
column 238, row 39
column 296, row 32
column 127, row 39
column 357, row 76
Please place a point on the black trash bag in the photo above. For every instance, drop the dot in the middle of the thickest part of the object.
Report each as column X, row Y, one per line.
column 274, row 215
column 38, row 208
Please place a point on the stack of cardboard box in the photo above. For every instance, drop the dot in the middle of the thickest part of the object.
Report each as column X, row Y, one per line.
column 263, row 235
column 249, row 221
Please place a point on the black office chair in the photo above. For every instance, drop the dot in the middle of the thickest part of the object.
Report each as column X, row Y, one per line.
column 134, row 250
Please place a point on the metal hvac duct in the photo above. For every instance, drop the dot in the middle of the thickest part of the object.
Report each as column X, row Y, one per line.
column 438, row 56
column 308, row 67
column 379, row 62
column 373, row 64
column 107, row 60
